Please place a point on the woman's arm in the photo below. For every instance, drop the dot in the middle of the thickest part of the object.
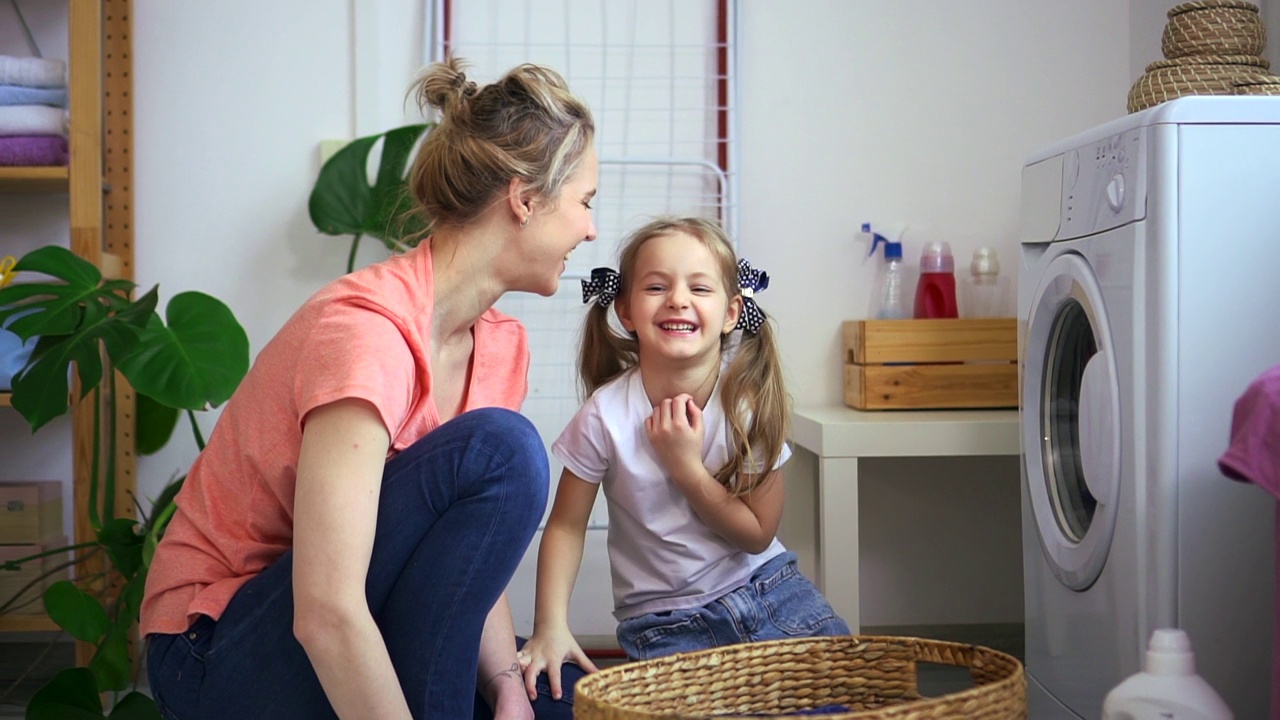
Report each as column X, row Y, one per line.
column 559, row 559
column 499, row 677
column 749, row 522
column 344, row 449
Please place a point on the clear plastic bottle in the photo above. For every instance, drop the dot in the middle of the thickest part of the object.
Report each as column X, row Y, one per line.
column 1168, row 686
column 889, row 290
column 985, row 294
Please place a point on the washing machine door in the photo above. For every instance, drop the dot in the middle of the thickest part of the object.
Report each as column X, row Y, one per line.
column 1071, row 421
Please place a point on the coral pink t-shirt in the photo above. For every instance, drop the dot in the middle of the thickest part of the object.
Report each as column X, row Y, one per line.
column 365, row 335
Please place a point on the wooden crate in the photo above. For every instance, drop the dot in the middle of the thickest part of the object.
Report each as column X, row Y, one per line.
column 23, row 589
column 931, row 364
column 30, row 512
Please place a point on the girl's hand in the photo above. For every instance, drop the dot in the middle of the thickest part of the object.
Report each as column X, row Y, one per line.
column 675, row 430
column 545, row 652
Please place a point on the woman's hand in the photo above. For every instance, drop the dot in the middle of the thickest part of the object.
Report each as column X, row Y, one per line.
column 675, row 430
column 546, row 652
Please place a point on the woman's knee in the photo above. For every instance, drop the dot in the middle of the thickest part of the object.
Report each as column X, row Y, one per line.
column 514, row 439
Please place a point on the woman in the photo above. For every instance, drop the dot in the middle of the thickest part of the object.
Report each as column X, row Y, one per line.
column 342, row 545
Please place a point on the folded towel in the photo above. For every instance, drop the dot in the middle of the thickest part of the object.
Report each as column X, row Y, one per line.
column 33, row 150
column 32, row 72
column 32, row 120
column 21, row 95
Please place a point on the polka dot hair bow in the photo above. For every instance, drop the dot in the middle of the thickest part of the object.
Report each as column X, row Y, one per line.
column 750, row 282
column 602, row 285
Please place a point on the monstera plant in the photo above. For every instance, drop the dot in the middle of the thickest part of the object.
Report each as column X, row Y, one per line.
column 345, row 202
column 190, row 360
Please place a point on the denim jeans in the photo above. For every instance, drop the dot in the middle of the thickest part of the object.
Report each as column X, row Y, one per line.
column 456, row 513
column 778, row 602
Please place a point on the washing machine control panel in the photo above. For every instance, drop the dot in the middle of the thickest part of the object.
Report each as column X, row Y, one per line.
column 1102, row 185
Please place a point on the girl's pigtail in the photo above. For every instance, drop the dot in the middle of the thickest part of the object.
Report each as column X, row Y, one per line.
column 759, row 410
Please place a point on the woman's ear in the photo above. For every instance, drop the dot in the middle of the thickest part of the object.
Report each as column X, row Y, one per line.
column 520, row 201
column 731, row 314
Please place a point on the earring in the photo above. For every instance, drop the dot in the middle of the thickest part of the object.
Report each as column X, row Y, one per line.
column 524, row 222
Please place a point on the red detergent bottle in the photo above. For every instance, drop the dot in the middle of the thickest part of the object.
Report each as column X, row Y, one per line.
column 936, row 289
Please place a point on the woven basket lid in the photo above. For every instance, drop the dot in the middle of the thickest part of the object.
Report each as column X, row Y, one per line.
column 1247, row 61
column 1243, row 80
column 1212, row 5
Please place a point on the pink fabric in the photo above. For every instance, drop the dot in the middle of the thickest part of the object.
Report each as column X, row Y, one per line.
column 366, row 335
column 33, row 150
column 1254, row 456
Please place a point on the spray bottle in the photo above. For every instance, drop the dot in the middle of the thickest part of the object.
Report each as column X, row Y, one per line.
column 889, row 292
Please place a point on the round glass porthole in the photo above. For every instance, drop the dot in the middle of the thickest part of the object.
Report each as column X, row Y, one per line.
column 1071, row 444
column 1071, row 345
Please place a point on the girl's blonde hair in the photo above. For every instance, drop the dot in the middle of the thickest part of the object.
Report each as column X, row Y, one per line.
column 752, row 389
column 526, row 125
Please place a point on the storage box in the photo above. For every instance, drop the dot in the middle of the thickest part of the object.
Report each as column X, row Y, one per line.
column 25, row 587
column 931, row 364
column 30, row 512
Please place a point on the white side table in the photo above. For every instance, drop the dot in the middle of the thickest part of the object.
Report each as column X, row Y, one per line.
column 840, row 437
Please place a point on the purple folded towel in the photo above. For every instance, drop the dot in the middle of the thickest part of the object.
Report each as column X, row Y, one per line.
column 33, row 150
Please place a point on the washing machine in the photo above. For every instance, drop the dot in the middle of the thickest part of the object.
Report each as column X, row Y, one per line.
column 1148, row 299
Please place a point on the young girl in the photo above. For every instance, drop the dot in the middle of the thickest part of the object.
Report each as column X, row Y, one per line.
column 685, row 429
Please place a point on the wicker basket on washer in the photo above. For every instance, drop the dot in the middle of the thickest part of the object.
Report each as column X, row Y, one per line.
column 873, row 677
column 1192, row 75
column 1213, row 27
column 1256, row 85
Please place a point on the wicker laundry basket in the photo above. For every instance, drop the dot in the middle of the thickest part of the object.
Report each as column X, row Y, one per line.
column 1191, row 75
column 1256, row 85
column 1214, row 27
column 872, row 676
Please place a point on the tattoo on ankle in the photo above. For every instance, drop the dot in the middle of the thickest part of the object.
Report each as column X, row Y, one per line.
column 513, row 672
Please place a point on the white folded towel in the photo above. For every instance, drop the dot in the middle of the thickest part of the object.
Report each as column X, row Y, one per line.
column 32, row 71
column 32, row 120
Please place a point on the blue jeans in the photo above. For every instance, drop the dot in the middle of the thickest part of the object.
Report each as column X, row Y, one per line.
column 456, row 513
column 778, row 602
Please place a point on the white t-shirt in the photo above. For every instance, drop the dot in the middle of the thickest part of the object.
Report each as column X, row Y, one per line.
column 661, row 555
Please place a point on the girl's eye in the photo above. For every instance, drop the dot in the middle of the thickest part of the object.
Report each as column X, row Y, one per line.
column 702, row 290
column 654, row 288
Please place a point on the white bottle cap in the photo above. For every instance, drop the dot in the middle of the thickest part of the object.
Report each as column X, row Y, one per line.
column 1169, row 653
column 985, row 262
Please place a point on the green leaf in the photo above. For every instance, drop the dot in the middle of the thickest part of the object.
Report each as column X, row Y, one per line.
column 154, row 424
column 130, row 601
column 161, row 512
column 111, row 665
column 123, row 538
column 195, row 362
column 41, row 390
column 75, row 611
column 135, row 706
column 343, row 202
column 71, row 695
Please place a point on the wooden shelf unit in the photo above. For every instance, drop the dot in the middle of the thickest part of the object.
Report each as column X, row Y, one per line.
column 99, row 184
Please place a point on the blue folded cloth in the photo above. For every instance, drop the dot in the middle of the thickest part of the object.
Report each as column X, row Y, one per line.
column 13, row 356
column 20, row 95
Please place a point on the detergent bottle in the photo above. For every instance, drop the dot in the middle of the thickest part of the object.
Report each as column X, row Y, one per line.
column 889, row 291
column 1168, row 687
column 936, row 289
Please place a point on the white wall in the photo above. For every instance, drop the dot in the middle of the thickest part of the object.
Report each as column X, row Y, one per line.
column 910, row 110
